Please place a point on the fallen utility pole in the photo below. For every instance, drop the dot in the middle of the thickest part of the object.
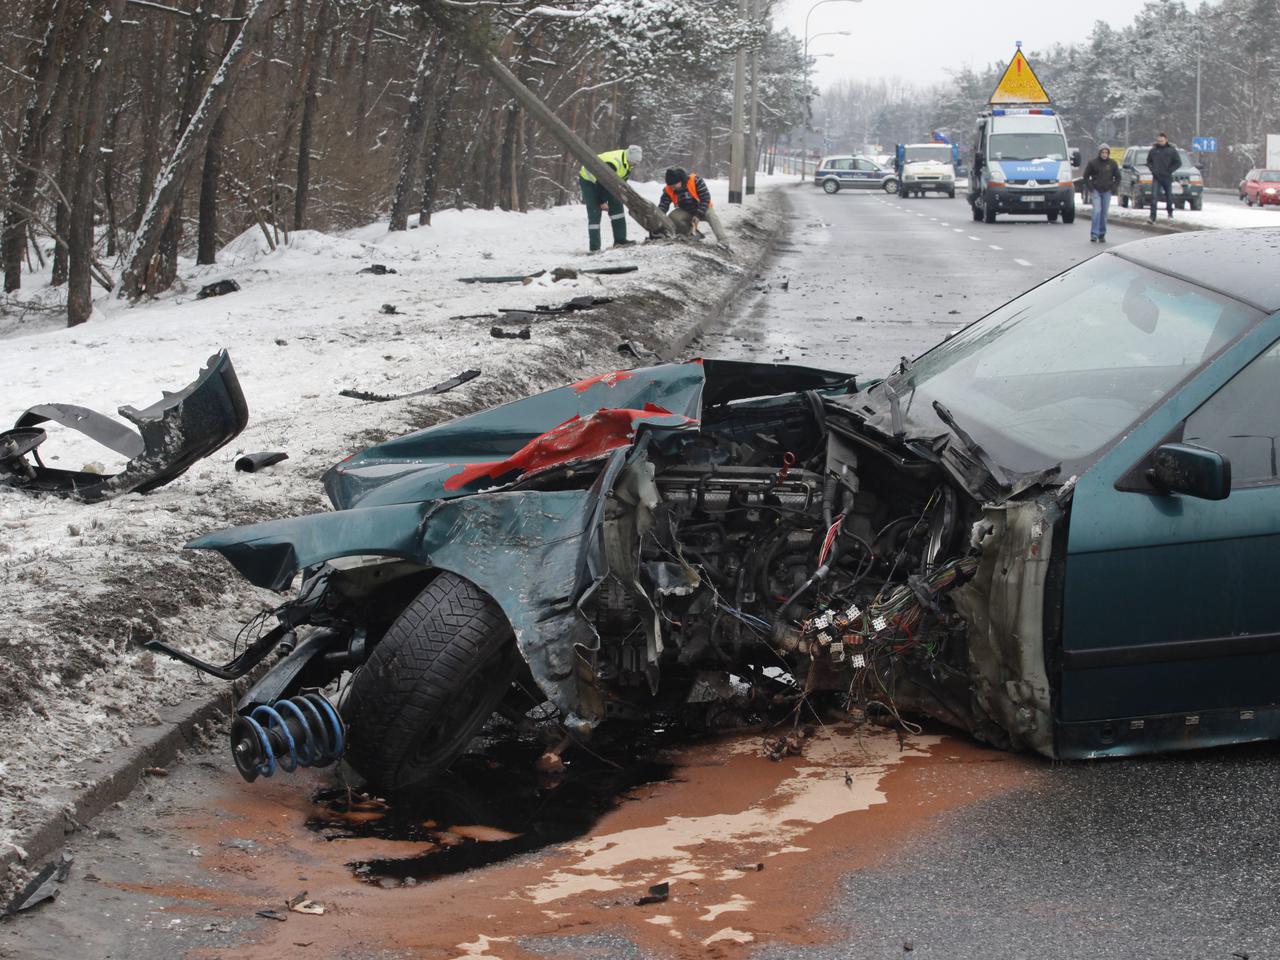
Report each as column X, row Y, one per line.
column 645, row 213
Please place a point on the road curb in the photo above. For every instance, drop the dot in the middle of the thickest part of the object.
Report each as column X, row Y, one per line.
column 715, row 315
column 108, row 780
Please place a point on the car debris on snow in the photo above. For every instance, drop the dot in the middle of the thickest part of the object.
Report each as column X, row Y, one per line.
column 219, row 288
column 377, row 269
column 253, row 462
column 658, row 893
column 171, row 435
column 501, row 334
column 444, row 386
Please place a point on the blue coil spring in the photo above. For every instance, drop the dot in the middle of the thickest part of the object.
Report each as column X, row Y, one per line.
column 301, row 731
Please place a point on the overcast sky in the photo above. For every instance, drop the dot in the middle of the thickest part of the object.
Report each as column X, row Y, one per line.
column 918, row 40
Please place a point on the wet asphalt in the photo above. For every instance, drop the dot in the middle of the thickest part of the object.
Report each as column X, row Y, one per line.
column 864, row 277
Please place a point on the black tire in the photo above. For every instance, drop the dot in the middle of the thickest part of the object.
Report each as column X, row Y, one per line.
column 988, row 212
column 1124, row 200
column 1052, row 215
column 1069, row 214
column 831, row 186
column 1197, row 203
column 977, row 214
column 429, row 685
column 1138, row 201
column 951, row 194
column 1182, row 204
column 891, row 186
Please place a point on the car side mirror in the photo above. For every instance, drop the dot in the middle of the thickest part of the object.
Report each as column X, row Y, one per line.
column 1075, row 158
column 1190, row 470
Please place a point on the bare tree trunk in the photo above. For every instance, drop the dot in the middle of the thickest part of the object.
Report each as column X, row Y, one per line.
column 362, row 98
column 47, row 61
column 439, row 124
column 155, row 57
column 71, row 126
column 303, row 183
column 211, row 173
column 415, row 124
column 109, row 178
column 507, row 199
column 80, row 228
column 173, row 178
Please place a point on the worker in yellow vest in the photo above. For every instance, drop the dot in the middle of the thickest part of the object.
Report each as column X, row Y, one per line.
column 595, row 196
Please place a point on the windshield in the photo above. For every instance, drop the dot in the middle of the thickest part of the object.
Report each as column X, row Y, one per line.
column 1028, row 146
column 1056, row 375
column 1269, row 175
column 938, row 154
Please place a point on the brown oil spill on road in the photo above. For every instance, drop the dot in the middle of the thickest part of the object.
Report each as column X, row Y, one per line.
column 847, row 803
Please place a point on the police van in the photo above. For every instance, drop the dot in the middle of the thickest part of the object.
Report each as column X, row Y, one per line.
column 1022, row 165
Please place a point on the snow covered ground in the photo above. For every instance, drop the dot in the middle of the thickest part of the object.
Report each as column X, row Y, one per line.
column 1219, row 213
column 84, row 586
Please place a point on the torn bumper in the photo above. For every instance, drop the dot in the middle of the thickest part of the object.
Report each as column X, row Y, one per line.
column 171, row 435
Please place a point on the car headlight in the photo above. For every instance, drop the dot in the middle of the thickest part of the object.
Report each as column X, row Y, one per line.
column 995, row 176
column 1195, row 178
column 1269, row 190
column 1144, row 178
column 1065, row 177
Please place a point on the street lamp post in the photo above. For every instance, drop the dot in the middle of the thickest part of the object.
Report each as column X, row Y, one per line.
column 806, row 51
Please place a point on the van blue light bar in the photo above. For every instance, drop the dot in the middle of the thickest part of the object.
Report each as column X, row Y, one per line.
column 1023, row 111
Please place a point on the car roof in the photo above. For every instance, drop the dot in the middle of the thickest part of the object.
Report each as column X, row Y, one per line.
column 1240, row 263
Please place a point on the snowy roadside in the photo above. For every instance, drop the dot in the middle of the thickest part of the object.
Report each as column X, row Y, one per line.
column 1214, row 216
column 84, row 586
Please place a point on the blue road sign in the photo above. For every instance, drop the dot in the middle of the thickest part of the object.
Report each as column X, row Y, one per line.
column 1204, row 144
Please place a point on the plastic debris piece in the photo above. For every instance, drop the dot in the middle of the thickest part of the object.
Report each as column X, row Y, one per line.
column 658, row 893
column 513, row 278
column 299, row 903
column 442, row 387
column 218, row 289
column 499, row 333
column 253, row 462
column 378, row 269
column 389, row 308
column 45, row 885
column 271, row 915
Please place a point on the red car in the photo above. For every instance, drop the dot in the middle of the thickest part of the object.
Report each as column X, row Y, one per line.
column 1261, row 187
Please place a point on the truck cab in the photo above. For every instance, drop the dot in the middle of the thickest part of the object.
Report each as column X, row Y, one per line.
column 926, row 168
column 1022, row 165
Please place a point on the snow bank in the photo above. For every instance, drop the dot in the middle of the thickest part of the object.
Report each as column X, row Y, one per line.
column 1219, row 213
column 84, row 586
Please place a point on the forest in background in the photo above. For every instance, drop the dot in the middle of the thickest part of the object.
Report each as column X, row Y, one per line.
column 1142, row 76
column 136, row 131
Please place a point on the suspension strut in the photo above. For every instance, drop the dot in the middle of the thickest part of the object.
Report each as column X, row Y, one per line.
column 301, row 731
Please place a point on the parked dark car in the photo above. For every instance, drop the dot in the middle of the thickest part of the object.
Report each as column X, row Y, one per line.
column 1058, row 529
column 1136, row 184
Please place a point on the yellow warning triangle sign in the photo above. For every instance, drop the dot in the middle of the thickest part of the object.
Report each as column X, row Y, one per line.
column 1019, row 84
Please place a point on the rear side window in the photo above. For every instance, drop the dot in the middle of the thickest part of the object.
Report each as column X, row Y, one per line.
column 1242, row 421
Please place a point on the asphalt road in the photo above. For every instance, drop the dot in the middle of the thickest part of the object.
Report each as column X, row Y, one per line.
column 971, row 854
column 868, row 277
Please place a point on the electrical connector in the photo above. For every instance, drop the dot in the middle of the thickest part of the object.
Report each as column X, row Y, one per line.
column 824, row 638
column 879, row 623
column 821, row 621
column 837, row 652
column 857, row 661
column 853, row 613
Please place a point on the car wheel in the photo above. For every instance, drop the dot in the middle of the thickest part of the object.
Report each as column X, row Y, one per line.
column 1138, row 201
column 1124, row 200
column 1069, row 215
column 1052, row 215
column 429, row 685
column 1182, row 204
column 977, row 214
column 951, row 194
column 1197, row 203
column 830, row 186
column 891, row 186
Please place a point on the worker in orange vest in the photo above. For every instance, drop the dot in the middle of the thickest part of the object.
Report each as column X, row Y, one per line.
column 691, row 198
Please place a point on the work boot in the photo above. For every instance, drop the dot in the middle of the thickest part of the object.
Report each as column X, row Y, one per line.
column 1093, row 239
column 1102, row 239
column 624, row 243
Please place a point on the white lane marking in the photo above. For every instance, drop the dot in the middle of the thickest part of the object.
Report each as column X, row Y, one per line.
column 944, row 224
column 1022, row 262
column 972, row 237
column 994, row 247
column 957, row 230
column 934, row 219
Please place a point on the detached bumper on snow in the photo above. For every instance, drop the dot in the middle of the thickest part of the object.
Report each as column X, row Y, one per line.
column 171, row 435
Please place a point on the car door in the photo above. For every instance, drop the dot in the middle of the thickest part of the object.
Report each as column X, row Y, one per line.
column 865, row 174
column 1170, row 624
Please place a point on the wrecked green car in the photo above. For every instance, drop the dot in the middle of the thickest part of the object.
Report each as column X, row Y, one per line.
column 1053, row 530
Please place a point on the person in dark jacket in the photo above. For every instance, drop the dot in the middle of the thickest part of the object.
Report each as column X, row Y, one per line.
column 691, row 198
column 1101, row 176
column 1162, row 161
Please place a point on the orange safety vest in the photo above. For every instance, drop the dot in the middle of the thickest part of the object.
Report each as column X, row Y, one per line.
column 691, row 186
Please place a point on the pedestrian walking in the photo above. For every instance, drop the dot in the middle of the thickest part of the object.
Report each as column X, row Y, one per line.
column 1101, row 178
column 596, row 196
column 692, row 199
column 1162, row 161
